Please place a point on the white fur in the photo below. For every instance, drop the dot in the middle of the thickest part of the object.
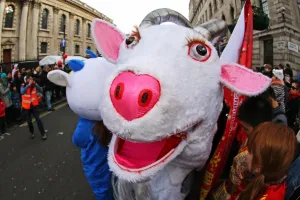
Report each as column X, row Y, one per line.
column 84, row 88
column 298, row 136
column 59, row 78
column 190, row 92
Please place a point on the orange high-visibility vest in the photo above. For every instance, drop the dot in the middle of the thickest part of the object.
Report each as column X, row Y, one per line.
column 30, row 97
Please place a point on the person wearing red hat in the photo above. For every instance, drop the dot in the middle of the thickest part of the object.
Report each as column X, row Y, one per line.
column 59, row 64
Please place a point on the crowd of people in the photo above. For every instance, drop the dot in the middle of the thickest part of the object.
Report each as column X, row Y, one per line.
column 266, row 163
column 23, row 92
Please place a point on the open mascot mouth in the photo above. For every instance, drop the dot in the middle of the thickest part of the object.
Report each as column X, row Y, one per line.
column 141, row 156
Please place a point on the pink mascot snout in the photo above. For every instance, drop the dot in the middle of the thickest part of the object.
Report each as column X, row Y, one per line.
column 134, row 95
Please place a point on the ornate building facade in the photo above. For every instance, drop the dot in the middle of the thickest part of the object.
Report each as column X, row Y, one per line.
column 32, row 29
column 277, row 44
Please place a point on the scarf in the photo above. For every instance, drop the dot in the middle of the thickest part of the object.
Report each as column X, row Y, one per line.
column 294, row 95
column 277, row 82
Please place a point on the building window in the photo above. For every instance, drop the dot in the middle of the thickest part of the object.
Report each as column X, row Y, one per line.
column 62, row 23
column 210, row 11
column 298, row 3
column 206, row 17
column 232, row 13
column 223, row 18
column 89, row 30
column 268, row 51
column 216, row 5
column 77, row 49
column 45, row 19
column 77, row 30
column 243, row 2
column 9, row 18
column 265, row 7
column 44, row 47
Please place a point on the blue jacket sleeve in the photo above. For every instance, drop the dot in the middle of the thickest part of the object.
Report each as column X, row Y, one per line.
column 24, row 89
column 94, row 160
column 82, row 133
column 38, row 88
column 96, row 169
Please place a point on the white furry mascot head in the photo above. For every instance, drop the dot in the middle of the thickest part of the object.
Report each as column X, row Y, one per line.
column 163, row 101
column 84, row 86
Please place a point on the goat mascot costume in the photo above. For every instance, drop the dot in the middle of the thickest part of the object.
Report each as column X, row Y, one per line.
column 163, row 101
column 82, row 88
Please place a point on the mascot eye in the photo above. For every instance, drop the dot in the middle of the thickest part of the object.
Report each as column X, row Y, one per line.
column 131, row 41
column 199, row 52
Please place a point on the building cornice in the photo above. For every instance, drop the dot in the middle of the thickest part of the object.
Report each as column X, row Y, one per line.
column 88, row 8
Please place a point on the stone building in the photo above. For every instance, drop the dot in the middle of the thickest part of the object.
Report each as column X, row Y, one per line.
column 32, row 29
column 278, row 44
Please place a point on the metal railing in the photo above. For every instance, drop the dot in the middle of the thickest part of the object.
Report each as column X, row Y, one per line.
column 27, row 64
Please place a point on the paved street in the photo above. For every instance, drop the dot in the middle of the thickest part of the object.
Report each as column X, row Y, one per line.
column 43, row 170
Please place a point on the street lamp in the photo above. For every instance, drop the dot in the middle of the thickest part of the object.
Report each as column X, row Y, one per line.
column 64, row 44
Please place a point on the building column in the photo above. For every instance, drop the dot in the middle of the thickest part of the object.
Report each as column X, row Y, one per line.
column 35, row 29
column 2, row 7
column 71, row 35
column 23, row 27
column 55, row 31
column 84, row 36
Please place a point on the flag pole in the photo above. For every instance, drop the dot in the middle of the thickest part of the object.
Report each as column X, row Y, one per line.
column 216, row 164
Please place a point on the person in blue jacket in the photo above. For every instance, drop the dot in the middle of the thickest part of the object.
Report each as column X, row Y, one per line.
column 83, row 89
column 94, row 157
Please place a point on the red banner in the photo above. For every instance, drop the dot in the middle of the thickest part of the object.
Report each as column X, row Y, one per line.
column 216, row 164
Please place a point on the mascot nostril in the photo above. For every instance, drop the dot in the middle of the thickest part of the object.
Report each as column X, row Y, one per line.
column 119, row 91
column 134, row 95
column 145, row 97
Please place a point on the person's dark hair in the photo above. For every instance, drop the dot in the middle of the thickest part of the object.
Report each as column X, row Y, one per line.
column 277, row 67
column 281, row 66
column 102, row 133
column 288, row 66
column 29, row 75
column 255, row 110
column 269, row 93
column 16, row 76
column 268, row 74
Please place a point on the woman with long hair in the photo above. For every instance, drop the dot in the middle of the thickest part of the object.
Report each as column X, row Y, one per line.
column 271, row 151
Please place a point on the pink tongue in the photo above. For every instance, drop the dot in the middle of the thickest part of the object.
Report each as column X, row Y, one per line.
column 138, row 155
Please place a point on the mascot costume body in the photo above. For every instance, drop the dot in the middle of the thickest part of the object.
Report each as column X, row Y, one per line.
column 82, row 88
column 163, row 101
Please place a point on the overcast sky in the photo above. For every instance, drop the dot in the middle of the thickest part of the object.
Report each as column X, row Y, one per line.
column 127, row 13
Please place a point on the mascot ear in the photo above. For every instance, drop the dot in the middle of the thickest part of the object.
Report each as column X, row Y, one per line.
column 59, row 77
column 91, row 53
column 107, row 39
column 243, row 80
column 76, row 65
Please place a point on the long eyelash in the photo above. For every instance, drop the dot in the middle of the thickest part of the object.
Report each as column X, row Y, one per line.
column 194, row 40
column 136, row 33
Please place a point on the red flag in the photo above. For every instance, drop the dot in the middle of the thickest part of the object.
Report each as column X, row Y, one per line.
column 218, row 161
